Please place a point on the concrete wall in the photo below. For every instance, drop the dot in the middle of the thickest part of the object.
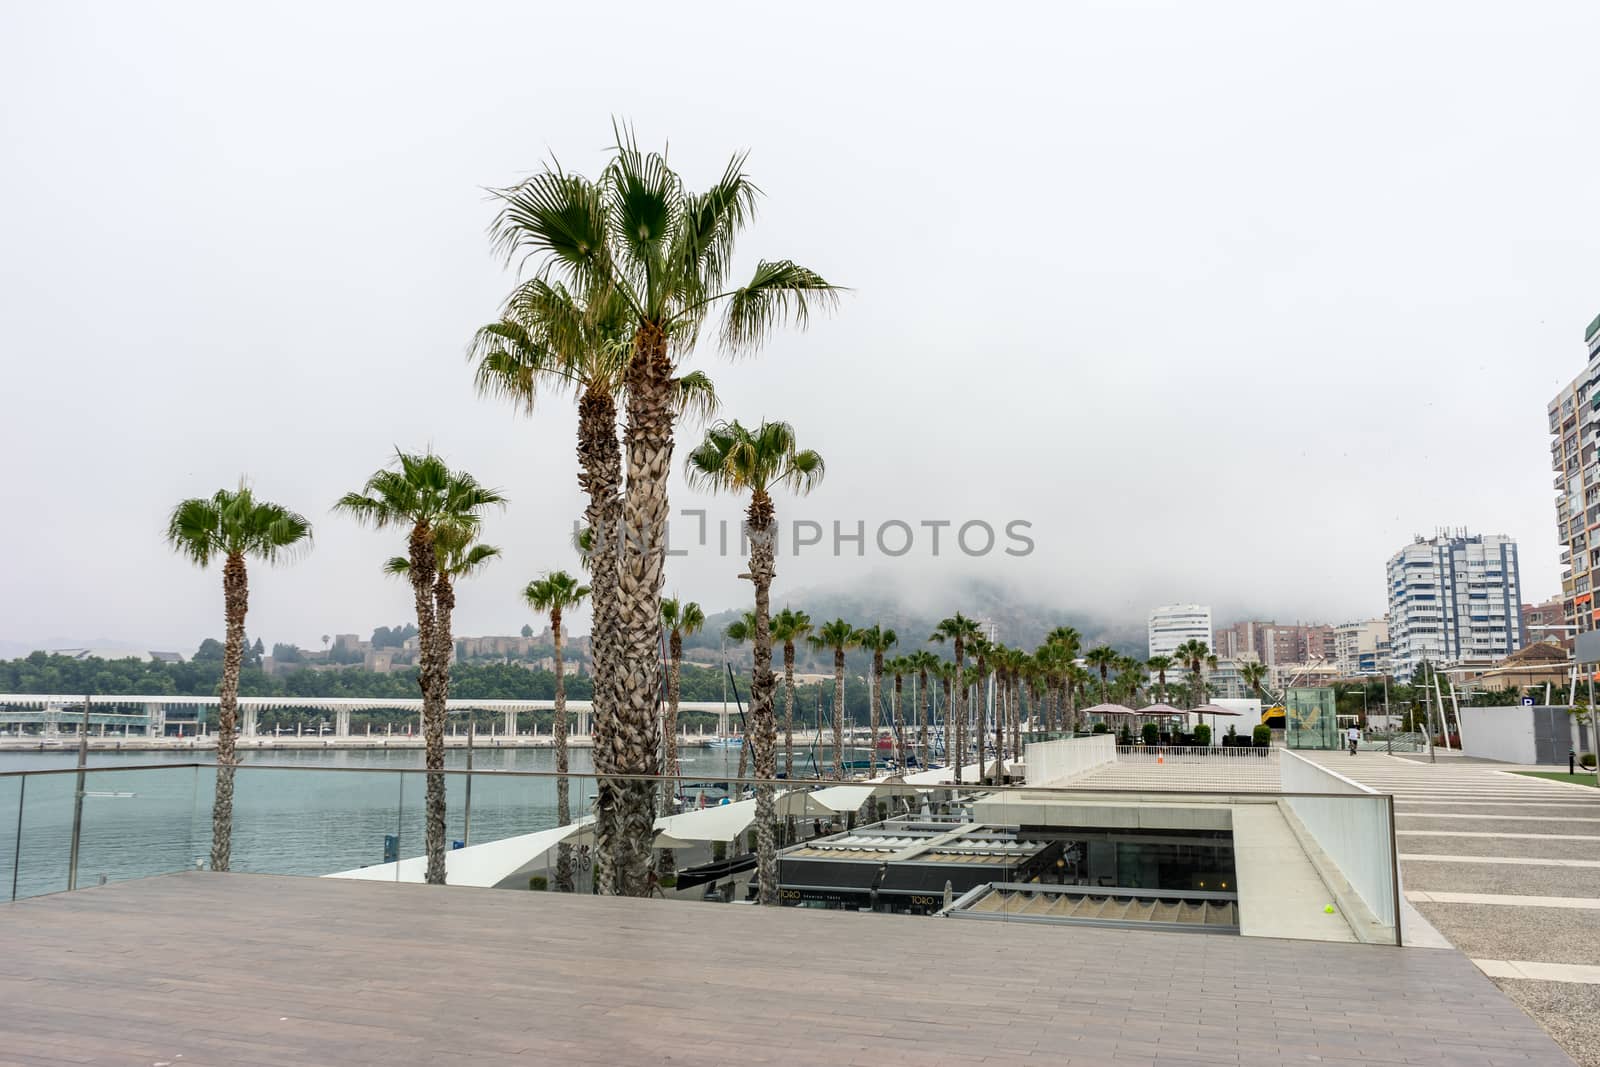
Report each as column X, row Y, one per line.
column 1055, row 762
column 1352, row 829
column 1498, row 733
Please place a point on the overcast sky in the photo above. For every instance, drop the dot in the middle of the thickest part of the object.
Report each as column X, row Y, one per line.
column 1227, row 301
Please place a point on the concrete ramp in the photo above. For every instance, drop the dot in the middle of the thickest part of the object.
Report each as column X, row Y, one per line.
column 1280, row 892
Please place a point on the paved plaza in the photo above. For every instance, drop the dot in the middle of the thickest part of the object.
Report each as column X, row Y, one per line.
column 197, row 969
column 1507, row 868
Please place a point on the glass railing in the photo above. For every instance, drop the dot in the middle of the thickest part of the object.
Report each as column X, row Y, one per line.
column 1133, row 854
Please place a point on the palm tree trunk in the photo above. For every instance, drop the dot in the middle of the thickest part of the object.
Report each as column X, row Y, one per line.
column 669, row 789
column 627, row 809
column 869, row 807
column 600, row 477
column 434, row 712
column 838, row 713
column 924, row 713
column 980, row 706
column 899, row 722
column 1000, row 713
column 763, row 722
column 788, row 709
column 235, row 602
column 564, row 882
column 423, row 575
column 959, row 711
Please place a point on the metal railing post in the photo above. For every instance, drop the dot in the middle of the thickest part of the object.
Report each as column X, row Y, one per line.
column 77, row 799
column 1394, row 871
column 16, row 850
column 466, row 819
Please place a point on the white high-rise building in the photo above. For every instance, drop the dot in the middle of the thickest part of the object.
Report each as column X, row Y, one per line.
column 1453, row 598
column 1173, row 624
column 1362, row 647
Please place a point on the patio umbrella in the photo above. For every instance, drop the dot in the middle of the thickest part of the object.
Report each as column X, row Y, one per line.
column 1217, row 709
column 1108, row 709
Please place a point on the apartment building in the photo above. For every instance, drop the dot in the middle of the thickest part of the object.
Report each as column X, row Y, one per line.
column 1574, row 417
column 1173, row 624
column 1454, row 597
column 1363, row 647
column 1276, row 644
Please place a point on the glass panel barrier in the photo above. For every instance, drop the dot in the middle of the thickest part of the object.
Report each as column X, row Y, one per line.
column 139, row 822
column 42, row 855
column 11, row 793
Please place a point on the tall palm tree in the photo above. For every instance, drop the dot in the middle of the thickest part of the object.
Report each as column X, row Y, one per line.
column 878, row 640
column 837, row 635
column 1102, row 659
column 898, row 668
column 946, row 670
column 423, row 495
column 1195, row 656
column 1253, row 673
column 1160, row 665
column 665, row 252
column 681, row 619
column 958, row 630
column 789, row 626
column 552, row 594
column 1077, row 680
column 739, row 631
column 231, row 526
column 1067, row 643
column 549, row 339
column 980, row 648
column 923, row 662
column 1131, row 678
column 736, row 459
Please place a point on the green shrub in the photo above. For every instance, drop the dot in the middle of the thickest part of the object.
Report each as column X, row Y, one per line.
column 538, row 883
column 719, row 850
column 1262, row 734
column 1127, row 735
column 668, row 881
column 1202, row 735
column 1101, row 728
column 1151, row 733
column 1586, row 759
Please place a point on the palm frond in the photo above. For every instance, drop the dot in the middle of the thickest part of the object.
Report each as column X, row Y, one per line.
column 778, row 292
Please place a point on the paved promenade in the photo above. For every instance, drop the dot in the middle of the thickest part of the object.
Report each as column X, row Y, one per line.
column 202, row 969
column 1507, row 868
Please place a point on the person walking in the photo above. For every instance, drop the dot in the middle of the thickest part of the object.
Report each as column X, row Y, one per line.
column 1353, row 737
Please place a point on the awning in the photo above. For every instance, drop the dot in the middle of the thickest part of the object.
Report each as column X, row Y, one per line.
column 843, row 798
column 944, row 775
column 482, row 865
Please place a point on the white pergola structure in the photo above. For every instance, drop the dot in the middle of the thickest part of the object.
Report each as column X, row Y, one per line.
column 59, row 707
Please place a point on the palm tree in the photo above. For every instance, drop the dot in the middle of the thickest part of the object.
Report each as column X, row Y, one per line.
column 231, row 525
column 789, row 626
column 958, row 630
column 1067, row 643
column 549, row 338
column 1102, row 659
column 681, row 619
column 1131, row 677
column 665, row 252
column 424, row 495
column 922, row 661
column 1160, row 665
column 980, row 647
column 1253, row 673
column 739, row 631
column 735, row 459
column 1076, row 681
column 946, row 670
column 878, row 640
column 837, row 635
column 898, row 668
column 551, row 595
column 1195, row 656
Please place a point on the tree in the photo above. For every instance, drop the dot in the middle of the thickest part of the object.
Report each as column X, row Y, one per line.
column 837, row 635
column 423, row 495
column 739, row 460
column 527, row 631
column 1195, row 657
column 1159, row 666
column 1102, row 659
column 923, row 662
column 1065, row 643
column 789, row 626
column 1253, row 673
column 898, row 668
column 639, row 236
column 552, row 594
column 680, row 619
column 980, row 648
column 231, row 526
column 878, row 640
column 210, row 651
column 958, row 630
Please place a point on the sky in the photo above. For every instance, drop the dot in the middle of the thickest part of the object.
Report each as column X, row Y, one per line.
column 1225, row 301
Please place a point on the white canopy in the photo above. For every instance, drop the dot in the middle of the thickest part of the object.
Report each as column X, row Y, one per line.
column 840, row 798
column 483, row 865
column 943, row 775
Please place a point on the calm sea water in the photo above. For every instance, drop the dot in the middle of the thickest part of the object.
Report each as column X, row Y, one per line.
column 306, row 812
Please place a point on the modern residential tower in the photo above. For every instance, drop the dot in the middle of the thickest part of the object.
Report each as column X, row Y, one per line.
column 1173, row 624
column 1454, row 598
column 1575, row 424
